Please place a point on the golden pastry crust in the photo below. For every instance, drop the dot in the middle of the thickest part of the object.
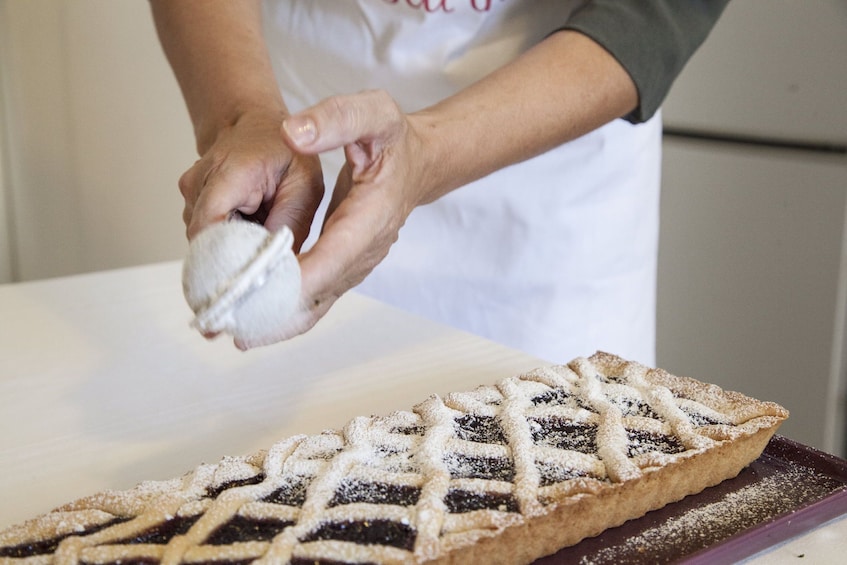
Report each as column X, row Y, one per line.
column 503, row 474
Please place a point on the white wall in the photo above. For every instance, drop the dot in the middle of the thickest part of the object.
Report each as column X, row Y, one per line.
column 96, row 137
column 6, row 243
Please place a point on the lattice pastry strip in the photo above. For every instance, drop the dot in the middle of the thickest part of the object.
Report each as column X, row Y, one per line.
column 562, row 452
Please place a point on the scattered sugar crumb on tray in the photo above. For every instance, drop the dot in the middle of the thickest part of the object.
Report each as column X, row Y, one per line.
column 771, row 487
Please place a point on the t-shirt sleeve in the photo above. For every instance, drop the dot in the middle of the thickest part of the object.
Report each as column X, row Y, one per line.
column 652, row 39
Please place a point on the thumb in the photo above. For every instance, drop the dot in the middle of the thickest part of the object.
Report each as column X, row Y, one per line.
column 342, row 120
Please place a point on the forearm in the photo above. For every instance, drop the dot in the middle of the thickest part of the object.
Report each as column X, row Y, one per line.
column 220, row 60
column 561, row 89
column 652, row 39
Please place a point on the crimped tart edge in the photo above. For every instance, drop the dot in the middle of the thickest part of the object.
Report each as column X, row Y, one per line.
column 585, row 516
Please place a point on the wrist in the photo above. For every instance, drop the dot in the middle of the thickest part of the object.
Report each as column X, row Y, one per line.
column 208, row 129
column 452, row 153
column 438, row 154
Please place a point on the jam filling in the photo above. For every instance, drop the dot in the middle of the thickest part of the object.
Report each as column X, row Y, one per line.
column 641, row 442
column 385, row 450
column 493, row 468
column 213, row 492
column 154, row 561
column 222, row 561
column 564, row 434
column 459, row 501
column 698, row 419
column 399, row 463
column 161, row 534
column 350, row 492
column 134, row 561
column 213, row 562
column 481, row 429
column 559, row 397
column 604, row 379
column 409, row 430
column 290, row 494
column 306, row 561
column 240, row 529
column 634, row 407
column 324, row 455
column 620, row 379
column 552, row 474
column 391, row 458
column 367, row 532
column 48, row 546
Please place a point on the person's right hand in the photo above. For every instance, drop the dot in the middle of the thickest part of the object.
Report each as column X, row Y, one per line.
column 248, row 169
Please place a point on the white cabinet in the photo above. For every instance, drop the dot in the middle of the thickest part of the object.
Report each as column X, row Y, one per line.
column 775, row 69
column 753, row 275
column 751, row 281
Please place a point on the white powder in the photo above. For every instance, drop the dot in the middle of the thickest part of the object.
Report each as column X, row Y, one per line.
column 706, row 525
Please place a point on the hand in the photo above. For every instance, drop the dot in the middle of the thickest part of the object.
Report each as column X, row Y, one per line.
column 248, row 169
column 383, row 180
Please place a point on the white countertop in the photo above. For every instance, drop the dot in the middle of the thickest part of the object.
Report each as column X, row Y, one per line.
column 104, row 385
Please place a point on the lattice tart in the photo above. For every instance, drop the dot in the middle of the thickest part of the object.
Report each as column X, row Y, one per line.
column 502, row 474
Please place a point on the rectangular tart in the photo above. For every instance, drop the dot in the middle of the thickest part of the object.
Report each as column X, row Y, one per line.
column 506, row 473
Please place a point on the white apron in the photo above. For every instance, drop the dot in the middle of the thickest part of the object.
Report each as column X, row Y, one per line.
column 555, row 256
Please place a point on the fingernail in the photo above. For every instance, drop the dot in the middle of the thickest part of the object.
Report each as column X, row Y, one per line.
column 301, row 131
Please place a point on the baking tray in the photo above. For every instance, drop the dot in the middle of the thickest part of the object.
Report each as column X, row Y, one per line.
column 789, row 490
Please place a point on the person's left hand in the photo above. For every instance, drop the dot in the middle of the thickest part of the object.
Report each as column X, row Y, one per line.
column 383, row 180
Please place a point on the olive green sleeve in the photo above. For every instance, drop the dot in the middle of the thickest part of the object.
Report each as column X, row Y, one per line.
column 652, row 39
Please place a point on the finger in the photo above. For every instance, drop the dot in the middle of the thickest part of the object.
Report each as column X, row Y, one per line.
column 343, row 184
column 222, row 196
column 296, row 201
column 292, row 211
column 355, row 239
column 213, row 206
column 341, row 120
column 354, row 243
column 189, row 184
